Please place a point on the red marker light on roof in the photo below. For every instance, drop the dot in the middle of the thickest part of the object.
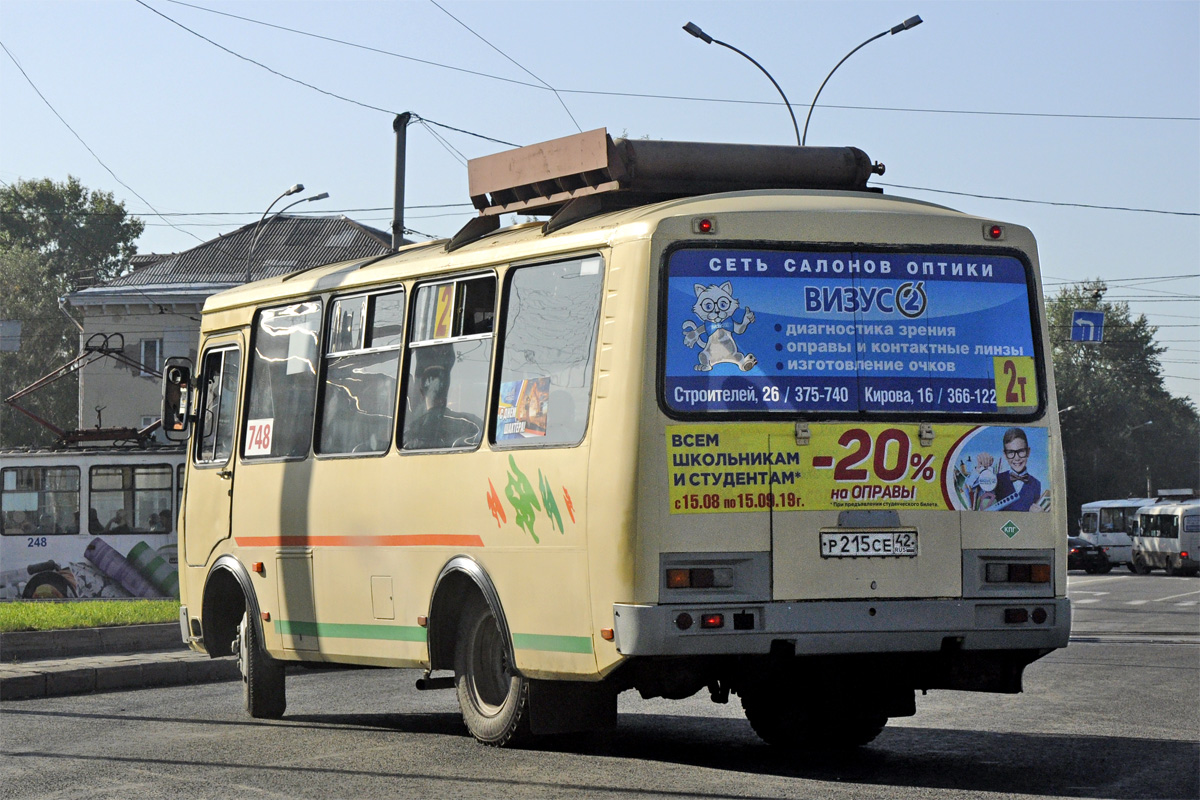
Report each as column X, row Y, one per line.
column 993, row 232
column 704, row 225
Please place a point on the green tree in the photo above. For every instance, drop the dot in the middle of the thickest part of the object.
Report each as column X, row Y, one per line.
column 48, row 340
column 86, row 236
column 1121, row 428
column 55, row 238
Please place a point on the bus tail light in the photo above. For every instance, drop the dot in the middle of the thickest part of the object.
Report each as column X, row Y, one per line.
column 1019, row 616
column 712, row 621
column 700, row 578
column 1017, row 573
column 1184, row 554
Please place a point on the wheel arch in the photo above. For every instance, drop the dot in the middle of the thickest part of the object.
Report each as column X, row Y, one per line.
column 459, row 579
column 228, row 593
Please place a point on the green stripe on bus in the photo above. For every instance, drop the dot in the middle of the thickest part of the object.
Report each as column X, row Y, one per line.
column 331, row 630
column 558, row 644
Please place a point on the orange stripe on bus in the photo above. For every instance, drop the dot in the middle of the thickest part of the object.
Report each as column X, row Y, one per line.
column 418, row 540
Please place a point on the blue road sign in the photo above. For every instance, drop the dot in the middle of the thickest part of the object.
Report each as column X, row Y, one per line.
column 1087, row 326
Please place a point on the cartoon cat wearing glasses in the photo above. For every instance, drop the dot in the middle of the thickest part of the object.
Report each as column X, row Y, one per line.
column 715, row 306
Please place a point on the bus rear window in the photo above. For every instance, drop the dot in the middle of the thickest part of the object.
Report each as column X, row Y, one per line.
column 777, row 331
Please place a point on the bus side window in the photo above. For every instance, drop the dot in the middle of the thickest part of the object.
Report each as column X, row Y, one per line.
column 551, row 316
column 449, row 359
column 362, row 362
column 283, row 382
column 39, row 500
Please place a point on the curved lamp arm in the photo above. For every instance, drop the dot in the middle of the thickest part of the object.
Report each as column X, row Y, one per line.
column 694, row 30
column 911, row 22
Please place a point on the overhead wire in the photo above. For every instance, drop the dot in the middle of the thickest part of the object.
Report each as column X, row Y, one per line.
column 707, row 99
column 510, row 144
column 81, row 140
column 513, row 60
column 1038, row 202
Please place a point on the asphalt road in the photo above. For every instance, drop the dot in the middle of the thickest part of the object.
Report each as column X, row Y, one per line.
column 1115, row 715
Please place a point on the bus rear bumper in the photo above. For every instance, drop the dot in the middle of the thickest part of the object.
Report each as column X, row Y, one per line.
column 840, row 627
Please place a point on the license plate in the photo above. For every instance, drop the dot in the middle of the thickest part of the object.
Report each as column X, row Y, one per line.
column 867, row 544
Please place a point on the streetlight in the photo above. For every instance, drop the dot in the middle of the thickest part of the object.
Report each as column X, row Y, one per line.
column 260, row 231
column 911, row 22
column 1135, row 427
column 299, row 187
column 694, row 30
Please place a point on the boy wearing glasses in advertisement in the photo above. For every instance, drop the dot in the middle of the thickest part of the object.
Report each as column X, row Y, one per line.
column 1014, row 489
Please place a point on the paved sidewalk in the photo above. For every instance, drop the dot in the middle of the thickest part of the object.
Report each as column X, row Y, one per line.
column 57, row 663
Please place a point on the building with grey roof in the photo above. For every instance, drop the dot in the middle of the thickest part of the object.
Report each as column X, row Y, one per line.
column 153, row 312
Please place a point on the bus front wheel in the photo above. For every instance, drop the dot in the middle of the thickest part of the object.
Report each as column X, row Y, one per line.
column 262, row 676
column 494, row 699
column 785, row 719
column 1139, row 565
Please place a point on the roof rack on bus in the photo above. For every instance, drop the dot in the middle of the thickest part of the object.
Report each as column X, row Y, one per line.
column 589, row 173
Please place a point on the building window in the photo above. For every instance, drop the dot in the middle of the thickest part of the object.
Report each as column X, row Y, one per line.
column 151, row 357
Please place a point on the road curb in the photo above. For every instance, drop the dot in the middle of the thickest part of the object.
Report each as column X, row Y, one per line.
column 73, row 643
column 58, row 678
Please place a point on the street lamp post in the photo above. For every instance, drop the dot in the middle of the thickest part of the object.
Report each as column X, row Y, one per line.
column 277, row 214
column 299, row 187
column 260, row 231
column 694, row 30
column 911, row 22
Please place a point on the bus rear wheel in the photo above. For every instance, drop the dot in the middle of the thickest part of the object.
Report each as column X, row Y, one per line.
column 262, row 676
column 784, row 719
column 1140, row 566
column 494, row 699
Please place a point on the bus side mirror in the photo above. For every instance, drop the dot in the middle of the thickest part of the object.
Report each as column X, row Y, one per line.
column 176, row 396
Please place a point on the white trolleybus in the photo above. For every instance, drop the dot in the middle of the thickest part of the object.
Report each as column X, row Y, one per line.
column 728, row 421
column 89, row 522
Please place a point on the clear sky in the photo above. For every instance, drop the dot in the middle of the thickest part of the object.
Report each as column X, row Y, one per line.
column 1029, row 109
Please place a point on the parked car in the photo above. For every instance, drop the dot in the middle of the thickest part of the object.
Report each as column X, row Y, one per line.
column 1084, row 555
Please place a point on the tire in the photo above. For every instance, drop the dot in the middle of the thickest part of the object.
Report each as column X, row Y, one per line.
column 782, row 719
column 1132, row 568
column 1140, row 566
column 1107, row 568
column 262, row 676
column 1091, row 569
column 494, row 699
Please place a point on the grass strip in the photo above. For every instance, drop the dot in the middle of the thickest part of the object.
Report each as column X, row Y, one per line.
column 44, row 615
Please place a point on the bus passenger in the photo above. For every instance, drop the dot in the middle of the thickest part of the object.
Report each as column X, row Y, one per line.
column 436, row 425
column 118, row 524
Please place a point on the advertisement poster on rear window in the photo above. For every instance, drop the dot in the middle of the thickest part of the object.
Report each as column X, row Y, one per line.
column 794, row 331
column 729, row 468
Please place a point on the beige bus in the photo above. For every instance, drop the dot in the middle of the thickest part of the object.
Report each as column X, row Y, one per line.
column 729, row 420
